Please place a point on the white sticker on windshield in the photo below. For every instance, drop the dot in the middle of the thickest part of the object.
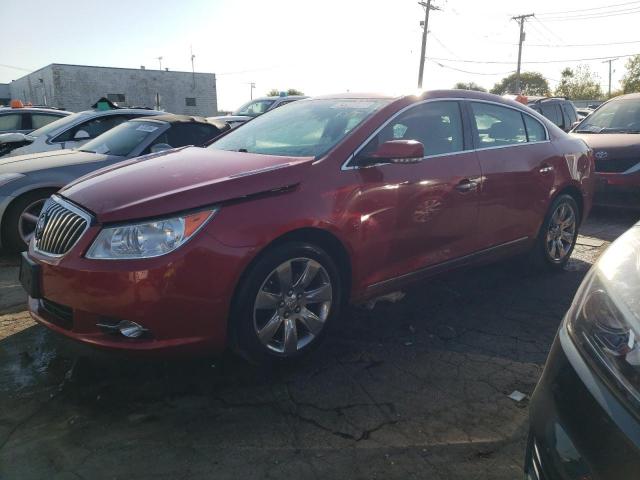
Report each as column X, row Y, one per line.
column 353, row 104
column 147, row 128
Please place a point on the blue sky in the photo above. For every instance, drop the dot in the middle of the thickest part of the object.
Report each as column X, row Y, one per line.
column 318, row 47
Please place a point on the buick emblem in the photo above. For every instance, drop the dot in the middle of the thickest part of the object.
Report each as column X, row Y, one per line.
column 601, row 155
column 40, row 225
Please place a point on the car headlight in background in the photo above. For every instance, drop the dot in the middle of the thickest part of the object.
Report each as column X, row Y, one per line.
column 9, row 177
column 604, row 320
column 147, row 239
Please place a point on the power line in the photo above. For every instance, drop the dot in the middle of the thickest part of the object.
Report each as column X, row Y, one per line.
column 588, row 9
column 579, row 44
column 613, row 13
column 495, row 62
column 468, row 71
column 16, row 68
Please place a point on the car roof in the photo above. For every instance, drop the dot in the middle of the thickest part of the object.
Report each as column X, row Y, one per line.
column 286, row 97
column 32, row 109
column 627, row 96
column 173, row 118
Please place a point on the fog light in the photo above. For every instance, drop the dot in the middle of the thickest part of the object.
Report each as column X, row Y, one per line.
column 125, row 327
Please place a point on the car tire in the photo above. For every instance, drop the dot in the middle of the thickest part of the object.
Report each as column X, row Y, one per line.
column 279, row 316
column 557, row 236
column 15, row 224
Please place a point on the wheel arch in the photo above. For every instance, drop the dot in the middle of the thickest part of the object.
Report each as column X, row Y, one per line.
column 574, row 192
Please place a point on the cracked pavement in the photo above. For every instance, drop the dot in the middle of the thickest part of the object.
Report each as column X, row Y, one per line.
column 413, row 389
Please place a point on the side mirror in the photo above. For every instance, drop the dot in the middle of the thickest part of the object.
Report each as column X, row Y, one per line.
column 397, row 151
column 159, row 147
column 82, row 135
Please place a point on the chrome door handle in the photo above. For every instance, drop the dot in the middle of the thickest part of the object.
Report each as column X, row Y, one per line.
column 466, row 185
column 546, row 169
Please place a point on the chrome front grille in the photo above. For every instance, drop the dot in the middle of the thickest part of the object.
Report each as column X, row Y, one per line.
column 59, row 227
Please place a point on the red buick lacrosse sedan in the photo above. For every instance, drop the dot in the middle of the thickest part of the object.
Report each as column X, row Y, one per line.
column 257, row 241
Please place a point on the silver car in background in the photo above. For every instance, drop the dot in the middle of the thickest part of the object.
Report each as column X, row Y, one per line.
column 255, row 108
column 27, row 181
column 69, row 132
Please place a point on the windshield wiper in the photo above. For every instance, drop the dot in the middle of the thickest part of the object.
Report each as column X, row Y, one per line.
column 243, row 150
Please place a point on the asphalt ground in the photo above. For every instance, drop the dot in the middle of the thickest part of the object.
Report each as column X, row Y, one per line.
column 418, row 388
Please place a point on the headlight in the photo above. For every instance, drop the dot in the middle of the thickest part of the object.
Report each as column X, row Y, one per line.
column 604, row 320
column 9, row 177
column 147, row 239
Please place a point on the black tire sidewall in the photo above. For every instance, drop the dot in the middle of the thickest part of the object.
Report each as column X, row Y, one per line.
column 541, row 247
column 242, row 336
column 11, row 240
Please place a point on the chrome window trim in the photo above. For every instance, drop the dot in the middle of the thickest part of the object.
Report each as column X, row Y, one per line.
column 72, row 208
column 346, row 166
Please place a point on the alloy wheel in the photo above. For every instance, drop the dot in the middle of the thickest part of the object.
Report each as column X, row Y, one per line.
column 28, row 220
column 561, row 232
column 292, row 305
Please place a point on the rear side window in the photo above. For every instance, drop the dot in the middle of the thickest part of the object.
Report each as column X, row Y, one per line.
column 552, row 112
column 437, row 125
column 181, row 134
column 535, row 130
column 498, row 126
column 39, row 120
column 11, row 121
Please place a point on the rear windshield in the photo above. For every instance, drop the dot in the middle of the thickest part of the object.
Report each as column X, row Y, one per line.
column 306, row 128
column 61, row 122
column 254, row 108
column 124, row 138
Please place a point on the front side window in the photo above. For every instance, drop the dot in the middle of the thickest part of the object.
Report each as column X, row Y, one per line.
column 618, row 116
column 254, row 108
column 94, row 127
column 437, row 125
column 498, row 126
column 571, row 112
column 11, row 121
column 307, row 128
column 123, row 139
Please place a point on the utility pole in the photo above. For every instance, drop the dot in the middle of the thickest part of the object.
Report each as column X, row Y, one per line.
column 252, row 85
column 520, row 19
column 425, row 25
column 610, row 61
column 159, row 61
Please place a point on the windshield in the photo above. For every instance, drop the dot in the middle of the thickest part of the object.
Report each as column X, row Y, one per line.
column 123, row 139
column 307, row 128
column 61, row 122
column 254, row 108
column 618, row 116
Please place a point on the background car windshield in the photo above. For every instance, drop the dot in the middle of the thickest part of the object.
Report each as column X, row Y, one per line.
column 123, row 139
column 254, row 108
column 61, row 122
column 617, row 116
column 307, row 128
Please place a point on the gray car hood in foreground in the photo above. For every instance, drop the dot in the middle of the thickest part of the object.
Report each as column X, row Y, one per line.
column 47, row 160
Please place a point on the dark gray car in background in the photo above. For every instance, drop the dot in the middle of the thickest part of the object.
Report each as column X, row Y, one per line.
column 27, row 181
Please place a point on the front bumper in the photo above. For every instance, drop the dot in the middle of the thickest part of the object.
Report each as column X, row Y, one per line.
column 619, row 189
column 182, row 299
column 579, row 430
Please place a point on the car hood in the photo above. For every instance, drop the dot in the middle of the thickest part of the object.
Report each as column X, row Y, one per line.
column 177, row 180
column 45, row 160
column 614, row 145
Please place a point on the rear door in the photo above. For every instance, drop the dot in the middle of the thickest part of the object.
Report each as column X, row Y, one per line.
column 421, row 214
column 516, row 159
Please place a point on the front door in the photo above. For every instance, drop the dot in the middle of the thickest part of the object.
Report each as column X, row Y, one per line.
column 419, row 215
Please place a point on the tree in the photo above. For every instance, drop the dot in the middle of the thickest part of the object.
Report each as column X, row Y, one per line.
column 531, row 83
column 631, row 79
column 579, row 84
column 274, row 92
column 469, row 86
